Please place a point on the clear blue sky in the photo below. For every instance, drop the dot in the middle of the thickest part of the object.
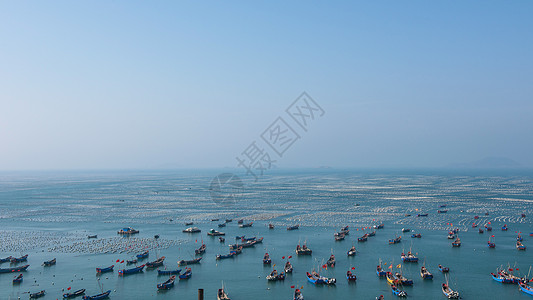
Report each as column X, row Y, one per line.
column 144, row 84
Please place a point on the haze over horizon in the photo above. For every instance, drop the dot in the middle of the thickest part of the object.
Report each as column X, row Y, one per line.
column 123, row 85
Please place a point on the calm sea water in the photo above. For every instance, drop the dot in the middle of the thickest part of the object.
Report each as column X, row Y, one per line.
column 49, row 215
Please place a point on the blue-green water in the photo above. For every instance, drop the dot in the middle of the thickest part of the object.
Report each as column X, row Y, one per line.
column 49, row 215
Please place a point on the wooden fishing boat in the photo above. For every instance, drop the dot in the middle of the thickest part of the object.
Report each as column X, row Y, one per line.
column 222, row 295
column 520, row 246
column 240, row 221
column 15, row 269
column 49, row 262
column 370, row 234
column 488, row 228
column 424, row 273
column 92, row 236
column 298, row 295
column 200, row 250
column 397, row 292
column 167, row 284
column 224, row 256
column 303, row 250
column 410, row 257
column 444, row 269
column 187, row 274
column 339, row 237
column 228, row 220
column 380, row 297
column 38, row 294
column 345, row 230
column 105, row 270
column 352, row 251
column 350, row 276
column 526, row 288
column 189, row 262
column 19, row 259
column 363, row 238
column 274, row 276
column 395, row 240
column 416, row 235
column 331, row 261
column 490, row 243
column 391, row 279
column 156, row 263
column 519, row 237
column 270, row 226
column 505, row 278
column 379, row 226
column 131, row 271
column 168, row 272
column 3, row 260
column 245, row 239
column 288, row 267
column 456, row 243
column 504, row 227
column 422, row 215
column 98, row 297
column 192, row 230
column 18, row 279
column 74, row 294
column 451, row 236
column 449, row 293
column 131, row 262
column 246, row 225
column 222, row 225
column 128, row 231
column 406, row 230
column 315, row 278
column 403, row 280
column 266, row 259
column 143, row 255
column 293, row 227
column 380, row 272
column 189, row 223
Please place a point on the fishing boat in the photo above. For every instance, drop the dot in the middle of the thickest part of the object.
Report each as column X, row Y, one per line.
column 519, row 237
column 239, row 237
column 131, row 262
column 379, row 226
column 480, row 230
column 246, row 225
column 240, row 221
column 520, row 246
column 370, row 234
column 380, row 297
column 523, row 215
column 504, row 227
column 270, row 226
column 395, row 240
column 222, row 225
column 189, row 262
column 474, row 225
column 391, row 279
column 105, row 270
column 200, row 250
column 74, row 294
column 221, row 239
column 222, row 295
column 410, row 257
column 490, row 243
column 156, row 263
column 19, row 259
column 92, row 236
column 127, row 231
column 38, row 294
column 476, row 217
column 298, row 295
column 315, row 278
column 339, row 237
column 406, row 230
column 303, row 250
column 274, row 276
column 505, row 278
column 352, row 251
column 189, row 223
column 167, row 284
column 331, row 261
column 424, row 273
column 168, row 272
column 245, row 239
column 422, row 215
column 3, row 260
column 228, row 220
column 130, row 271
column 266, row 259
column 380, row 272
column 444, row 269
column 442, row 211
column 397, row 292
column 192, row 230
column 403, row 280
column 15, row 269
column 363, row 238
column 288, row 267
column 98, row 297
column 224, row 256
column 18, row 279
column 187, row 274
column 143, row 255
column 416, row 235
column 350, row 276
column 451, row 236
column 293, row 227
column 448, row 292
column 215, row 220
column 457, row 242
column 488, row 228
column 526, row 288
column 49, row 262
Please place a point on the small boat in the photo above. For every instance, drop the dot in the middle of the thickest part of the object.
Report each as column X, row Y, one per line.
column 345, row 230
column 442, row 211
column 105, row 270
column 130, row 271
column 504, row 227
column 168, row 272
column 380, row 272
column 167, row 284
column 403, row 280
column 451, row 236
column 49, row 262
column 480, row 230
column 143, row 255
column 98, row 297
column 373, row 233
column 397, row 292
column 519, row 237
column 92, row 236
column 127, row 231
column 222, row 225
column 416, row 235
column 474, row 225
column 488, row 228
column 363, row 238
column 131, row 262
column 444, row 269
column 352, row 251
column 520, row 246
column 449, row 293
column 407, row 215
column 187, row 274
column 156, row 236
column 523, row 215
column 315, row 278
column 396, row 240
column 189, row 223
column 18, row 279
column 379, row 226
column 229, row 220
column 156, row 263
column 331, row 261
column 246, row 225
column 224, row 256
column 303, row 250
column 350, row 276
column 266, row 259
column 294, row 227
column 189, row 262
column 490, row 243
column 270, row 226
column 15, row 269
column 215, row 220
column 380, row 297
column 192, row 230
column 3, row 260
column 422, row 215
column 239, row 237
column 298, row 295
column 288, row 267
column 526, row 288
column 443, row 205
column 221, row 239
column 74, row 294
column 19, row 259
column 424, row 273
column 38, row 294
column 240, row 221
column 457, row 242
column 410, row 257
column 505, row 278
column 222, row 295
column 391, row 279
column 274, row 276
column 200, row 250
column 339, row 237
column 213, row 232
column 406, row 230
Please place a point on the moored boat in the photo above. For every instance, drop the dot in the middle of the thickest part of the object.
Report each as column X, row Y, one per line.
column 168, row 272
column 187, row 274
column 74, row 294
column 350, row 276
column 200, row 250
column 457, row 242
column 444, row 269
column 131, row 262
column 18, row 279
column 222, row 295
column 424, row 273
column 449, row 293
column 192, row 230
column 288, row 267
column 403, row 280
column 274, row 276
column 526, row 288
column 19, row 259
column 222, row 225
column 189, row 262
column 315, row 278
column 520, row 246
column 380, row 272
column 130, row 271
column 395, row 240
column 92, row 236
column 266, row 259
column 213, row 232
column 49, row 262
column 104, row 270
column 352, row 251
column 270, row 226
column 143, row 255
column 98, row 297
column 416, row 235
column 363, row 238
column 38, row 294
column 167, row 284
column 156, row 263
column 246, row 225
column 127, row 231
column 15, row 269
column 397, row 292
column 298, row 295
column 410, row 257
column 303, row 250
column 3, row 260
column 293, row 227
column 331, row 261
column 189, row 223
column 224, row 256
column 391, row 279
column 504, row 227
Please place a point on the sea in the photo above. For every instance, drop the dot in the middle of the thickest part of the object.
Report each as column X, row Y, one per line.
column 51, row 214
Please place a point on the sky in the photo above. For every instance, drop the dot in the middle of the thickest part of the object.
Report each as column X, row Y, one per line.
column 172, row 84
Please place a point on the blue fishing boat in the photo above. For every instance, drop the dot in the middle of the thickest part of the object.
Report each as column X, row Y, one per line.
column 380, row 272
column 416, row 235
column 503, row 278
column 156, row 263
column 526, row 288
column 167, row 284
column 19, row 259
column 131, row 262
column 370, row 234
column 49, row 262
column 74, row 294
column 444, row 269
column 187, row 274
column 402, row 280
column 410, row 257
column 222, row 225
column 189, row 262
column 98, row 297
column 457, row 242
column 3, row 260
column 168, row 272
column 397, row 292
column 363, row 238
column 37, row 294
column 105, row 270
column 127, row 231
column 143, row 255
column 246, row 225
column 315, row 278
column 224, row 256
column 18, row 279
column 275, row 276
column 504, row 227
column 298, row 295
column 396, row 240
column 266, row 259
column 294, row 227
column 15, row 269
column 448, row 292
column 520, row 246
column 131, row 271
column 424, row 273
column 490, row 243
column 350, row 276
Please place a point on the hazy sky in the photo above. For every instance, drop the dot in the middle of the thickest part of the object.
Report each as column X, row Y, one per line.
column 146, row 84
